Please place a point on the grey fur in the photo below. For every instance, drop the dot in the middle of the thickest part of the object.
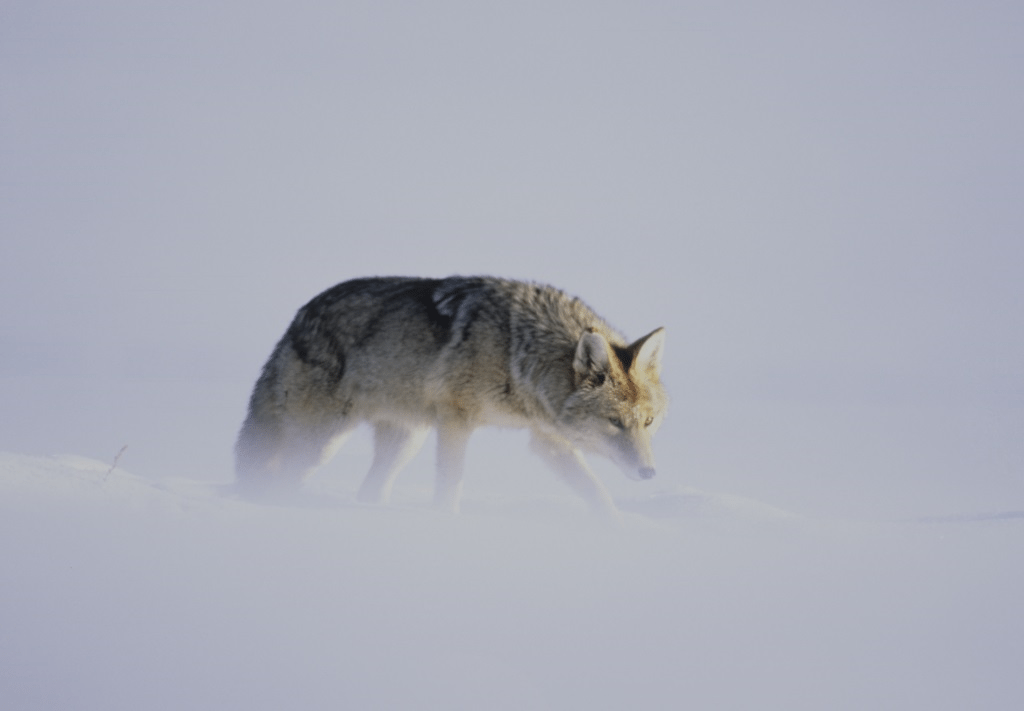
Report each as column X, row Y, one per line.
column 406, row 354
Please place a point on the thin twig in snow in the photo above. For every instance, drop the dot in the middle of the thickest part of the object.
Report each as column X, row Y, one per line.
column 116, row 460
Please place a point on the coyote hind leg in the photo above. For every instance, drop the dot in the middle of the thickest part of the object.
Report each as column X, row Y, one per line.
column 393, row 446
column 276, row 458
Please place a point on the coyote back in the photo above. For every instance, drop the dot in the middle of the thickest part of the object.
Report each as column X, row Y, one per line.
column 408, row 354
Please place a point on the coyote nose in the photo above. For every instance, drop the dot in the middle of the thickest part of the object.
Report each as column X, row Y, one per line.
column 647, row 472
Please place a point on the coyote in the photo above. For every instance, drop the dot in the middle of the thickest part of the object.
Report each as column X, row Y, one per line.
column 407, row 354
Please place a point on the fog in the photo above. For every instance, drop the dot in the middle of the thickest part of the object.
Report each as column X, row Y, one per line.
column 819, row 204
column 119, row 592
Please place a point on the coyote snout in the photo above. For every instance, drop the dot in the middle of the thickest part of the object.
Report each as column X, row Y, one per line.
column 638, row 470
column 407, row 354
column 631, row 450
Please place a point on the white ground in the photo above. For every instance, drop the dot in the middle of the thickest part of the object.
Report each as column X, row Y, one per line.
column 124, row 592
column 820, row 202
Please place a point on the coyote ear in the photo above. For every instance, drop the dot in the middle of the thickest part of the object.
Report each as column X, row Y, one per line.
column 592, row 355
column 647, row 351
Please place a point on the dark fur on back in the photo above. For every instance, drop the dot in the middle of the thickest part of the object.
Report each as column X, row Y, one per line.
column 350, row 315
column 404, row 353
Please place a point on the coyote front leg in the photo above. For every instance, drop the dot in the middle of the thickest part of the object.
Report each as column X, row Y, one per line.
column 570, row 465
column 452, row 436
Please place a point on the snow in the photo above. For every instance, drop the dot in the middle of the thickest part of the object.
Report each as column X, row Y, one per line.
column 119, row 591
column 818, row 201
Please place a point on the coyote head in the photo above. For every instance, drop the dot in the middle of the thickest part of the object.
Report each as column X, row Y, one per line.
column 618, row 402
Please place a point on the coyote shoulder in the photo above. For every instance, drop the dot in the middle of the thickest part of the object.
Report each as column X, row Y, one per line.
column 408, row 354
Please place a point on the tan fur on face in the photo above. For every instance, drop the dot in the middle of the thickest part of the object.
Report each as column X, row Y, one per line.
column 406, row 354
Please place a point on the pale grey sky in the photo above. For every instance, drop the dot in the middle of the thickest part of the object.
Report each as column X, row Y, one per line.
column 819, row 202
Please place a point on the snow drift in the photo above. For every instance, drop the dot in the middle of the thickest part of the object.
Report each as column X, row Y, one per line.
column 120, row 592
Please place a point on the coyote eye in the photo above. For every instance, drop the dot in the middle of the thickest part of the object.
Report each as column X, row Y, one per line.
column 617, row 423
column 649, row 422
